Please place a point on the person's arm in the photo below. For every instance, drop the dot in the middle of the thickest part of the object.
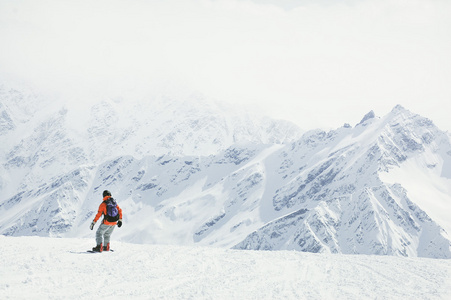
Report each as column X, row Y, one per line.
column 102, row 208
column 119, row 222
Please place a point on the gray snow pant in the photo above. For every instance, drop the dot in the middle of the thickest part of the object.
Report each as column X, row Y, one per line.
column 103, row 234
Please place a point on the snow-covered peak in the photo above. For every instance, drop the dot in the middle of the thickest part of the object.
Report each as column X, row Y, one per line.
column 398, row 109
column 367, row 117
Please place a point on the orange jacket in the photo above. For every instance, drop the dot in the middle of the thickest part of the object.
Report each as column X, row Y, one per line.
column 102, row 211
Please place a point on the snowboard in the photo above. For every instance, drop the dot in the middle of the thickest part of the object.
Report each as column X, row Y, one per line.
column 91, row 251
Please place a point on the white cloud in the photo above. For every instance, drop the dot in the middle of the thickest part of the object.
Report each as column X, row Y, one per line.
column 317, row 63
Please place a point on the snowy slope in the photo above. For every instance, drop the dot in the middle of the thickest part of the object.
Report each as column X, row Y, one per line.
column 42, row 139
column 336, row 199
column 47, row 268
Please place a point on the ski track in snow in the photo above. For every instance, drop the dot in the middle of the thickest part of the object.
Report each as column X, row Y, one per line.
column 51, row 268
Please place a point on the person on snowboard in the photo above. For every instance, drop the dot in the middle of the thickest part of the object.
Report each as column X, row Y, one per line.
column 112, row 215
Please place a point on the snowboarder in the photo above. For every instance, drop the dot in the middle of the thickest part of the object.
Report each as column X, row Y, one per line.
column 112, row 215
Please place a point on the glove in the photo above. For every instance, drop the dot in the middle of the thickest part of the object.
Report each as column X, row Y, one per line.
column 92, row 225
column 119, row 223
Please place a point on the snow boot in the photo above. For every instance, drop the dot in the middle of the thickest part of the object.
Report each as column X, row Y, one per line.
column 98, row 248
column 107, row 247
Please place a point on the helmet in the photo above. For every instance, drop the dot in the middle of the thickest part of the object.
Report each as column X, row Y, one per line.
column 106, row 193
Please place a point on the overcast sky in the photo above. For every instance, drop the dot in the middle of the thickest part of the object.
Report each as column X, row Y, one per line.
column 317, row 63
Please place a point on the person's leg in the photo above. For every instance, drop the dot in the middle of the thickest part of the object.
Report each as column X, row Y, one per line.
column 100, row 233
column 107, row 234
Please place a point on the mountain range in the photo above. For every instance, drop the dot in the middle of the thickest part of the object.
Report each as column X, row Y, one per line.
column 191, row 171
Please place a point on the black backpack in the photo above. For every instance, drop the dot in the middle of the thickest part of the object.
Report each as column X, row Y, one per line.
column 112, row 213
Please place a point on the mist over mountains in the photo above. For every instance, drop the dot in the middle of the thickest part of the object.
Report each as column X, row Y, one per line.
column 191, row 171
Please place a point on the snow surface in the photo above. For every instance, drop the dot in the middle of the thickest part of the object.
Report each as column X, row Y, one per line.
column 52, row 268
